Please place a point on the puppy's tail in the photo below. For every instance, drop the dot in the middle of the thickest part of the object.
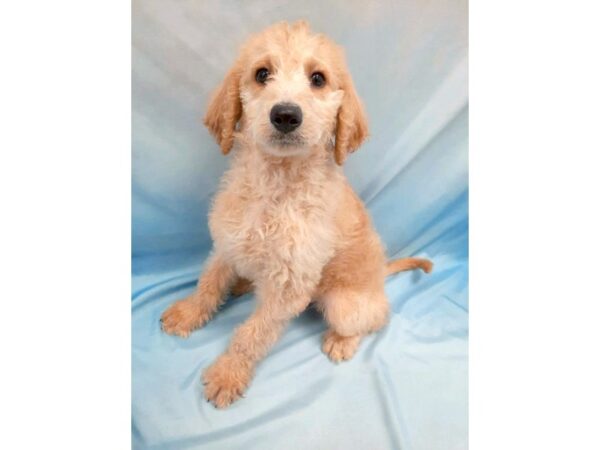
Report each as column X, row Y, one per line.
column 399, row 265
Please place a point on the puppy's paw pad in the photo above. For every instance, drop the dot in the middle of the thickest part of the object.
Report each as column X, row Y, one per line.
column 225, row 381
column 339, row 348
column 181, row 318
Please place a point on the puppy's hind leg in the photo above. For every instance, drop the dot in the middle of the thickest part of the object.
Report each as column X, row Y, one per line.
column 351, row 315
column 184, row 316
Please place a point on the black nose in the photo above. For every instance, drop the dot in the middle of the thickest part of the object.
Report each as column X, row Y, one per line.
column 286, row 117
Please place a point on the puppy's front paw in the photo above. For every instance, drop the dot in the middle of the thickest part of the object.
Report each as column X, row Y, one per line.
column 339, row 348
column 226, row 380
column 183, row 317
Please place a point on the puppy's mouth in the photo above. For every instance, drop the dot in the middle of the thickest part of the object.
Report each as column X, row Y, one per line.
column 278, row 139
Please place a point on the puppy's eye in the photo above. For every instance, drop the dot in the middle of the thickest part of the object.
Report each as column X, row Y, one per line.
column 317, row 79
column 261, row 75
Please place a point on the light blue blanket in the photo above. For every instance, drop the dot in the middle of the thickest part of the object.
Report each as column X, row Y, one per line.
column 407, row 386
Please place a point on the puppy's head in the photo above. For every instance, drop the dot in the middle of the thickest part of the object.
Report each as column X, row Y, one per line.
column 291, row 92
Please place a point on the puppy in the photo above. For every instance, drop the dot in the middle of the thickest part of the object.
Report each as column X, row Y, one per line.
column 285, row 221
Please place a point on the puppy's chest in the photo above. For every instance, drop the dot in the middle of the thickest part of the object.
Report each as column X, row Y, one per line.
column 261, row 230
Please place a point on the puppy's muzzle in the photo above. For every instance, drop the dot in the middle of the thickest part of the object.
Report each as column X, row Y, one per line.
column 286, row 117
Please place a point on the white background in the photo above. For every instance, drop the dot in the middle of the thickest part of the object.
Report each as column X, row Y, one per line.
column 65, row 237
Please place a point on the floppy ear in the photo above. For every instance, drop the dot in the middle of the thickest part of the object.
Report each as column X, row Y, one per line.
column 224, row 110
column 352, row 128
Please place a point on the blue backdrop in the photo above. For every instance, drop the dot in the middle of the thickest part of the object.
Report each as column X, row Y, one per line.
column 407, row 386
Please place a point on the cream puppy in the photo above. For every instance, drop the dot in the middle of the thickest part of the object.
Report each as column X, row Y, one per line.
column 285, row 221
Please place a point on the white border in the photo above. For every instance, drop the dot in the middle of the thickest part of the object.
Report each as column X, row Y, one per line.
column 534, row 221
column 65, row 149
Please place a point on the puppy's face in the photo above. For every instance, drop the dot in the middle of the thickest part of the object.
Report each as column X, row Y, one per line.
column 291, row 92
